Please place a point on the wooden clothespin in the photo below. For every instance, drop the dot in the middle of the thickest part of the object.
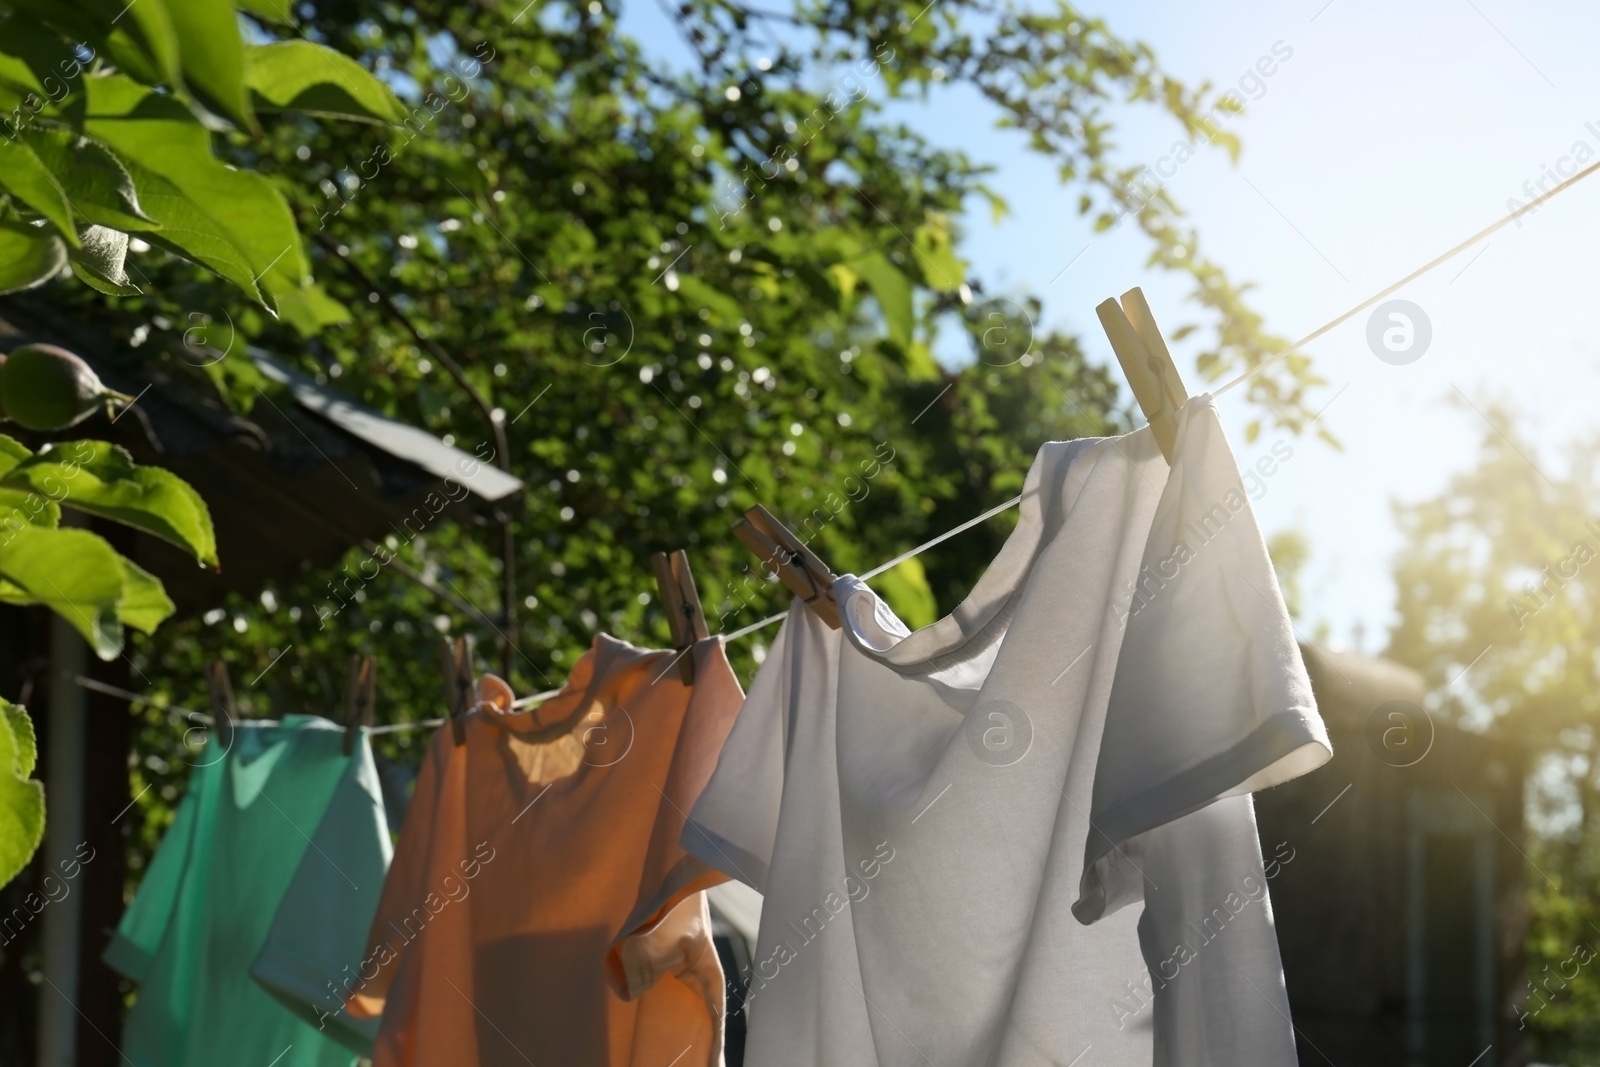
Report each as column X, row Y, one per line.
column 1147, row 364
column 799, row 567
column 360, row 694
column 681, row 601
column 224, row 712
column 460, row 687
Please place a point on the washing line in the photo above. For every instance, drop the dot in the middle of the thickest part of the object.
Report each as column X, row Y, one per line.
column 1442, row 257
column 746, row 631
column 200, row 718
column 1331, row 324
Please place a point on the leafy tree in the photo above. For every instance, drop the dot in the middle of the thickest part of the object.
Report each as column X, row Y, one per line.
column 106, row 113
column 1498, row 576
column 660, row 296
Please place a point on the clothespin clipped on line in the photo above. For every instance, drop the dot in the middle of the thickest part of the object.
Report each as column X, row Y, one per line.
column 1146, row 363
column 681, row 601
column 460, row 688
column 360, row 694
column 800, row 568
column 224, row 713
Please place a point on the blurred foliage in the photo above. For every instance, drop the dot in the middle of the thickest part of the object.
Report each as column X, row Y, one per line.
column 1497, row 575
column 1562, row 988
column 678, row 292
column 1290, row 551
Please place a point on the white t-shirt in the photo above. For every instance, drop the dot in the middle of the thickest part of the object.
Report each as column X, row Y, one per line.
column 947, row 824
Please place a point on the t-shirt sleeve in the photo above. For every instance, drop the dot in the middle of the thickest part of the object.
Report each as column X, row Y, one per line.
column 671, row 874
column 316, row 939
column 1210, row 697
column 735, row 822
column 133, row 949
column 405, row 884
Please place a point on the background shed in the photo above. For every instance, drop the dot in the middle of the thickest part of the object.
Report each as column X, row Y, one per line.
column 1402, row 916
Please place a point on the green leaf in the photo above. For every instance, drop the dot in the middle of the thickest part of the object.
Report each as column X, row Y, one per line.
column 23, row 506
column 24, row 175
column 18, row 80
column 19, row 506
column 123, row 51
column 21, row 798
column 95, row 183
column 189, row 231
column 12, row 452
column 844, row 282
column 212, row 54
column 150, row 27
column 998, row 208
column 239, row 382
column 12, row 112
column 275, row 11
column 905, row 587
column 302, row 76
column 309, row 309
column 29, row 257
column 101, row 479
column 141, row 603
column 919, row 362
column 942, row 269
column 24, row 755
column 135, row 38
column 139, row 37
column 154, row 134
column 892, row 289
column 35, row 46
column 144, row 603
column 73, row 572
column 100, row 261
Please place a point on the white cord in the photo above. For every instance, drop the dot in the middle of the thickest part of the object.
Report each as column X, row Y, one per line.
column 1409, row 278
column 746, row 631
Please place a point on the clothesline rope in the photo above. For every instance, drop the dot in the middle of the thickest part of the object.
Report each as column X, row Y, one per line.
column 1296, row 346
column 1409, row 278
column 893, row 563
column 746, row 631
column 203, row 719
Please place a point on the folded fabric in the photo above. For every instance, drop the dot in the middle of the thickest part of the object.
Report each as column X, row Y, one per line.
column 540, row 908
column 211, row 894
column 946, row 825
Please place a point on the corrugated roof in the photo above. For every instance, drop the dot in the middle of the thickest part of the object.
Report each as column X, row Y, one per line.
column 291, row 486
column 398, row 439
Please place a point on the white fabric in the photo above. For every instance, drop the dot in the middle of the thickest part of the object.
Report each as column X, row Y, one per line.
column 917, row 808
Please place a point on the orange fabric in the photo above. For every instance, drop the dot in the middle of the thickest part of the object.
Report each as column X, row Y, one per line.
column 539, row 908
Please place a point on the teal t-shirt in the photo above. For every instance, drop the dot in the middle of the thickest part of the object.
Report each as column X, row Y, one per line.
column 246, row 832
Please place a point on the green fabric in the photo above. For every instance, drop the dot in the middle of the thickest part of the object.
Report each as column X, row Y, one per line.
column 313, row 953
column 212, row 892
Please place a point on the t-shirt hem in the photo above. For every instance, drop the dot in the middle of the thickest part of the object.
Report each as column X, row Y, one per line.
column 302, row 986
column 689, row 876
column 125, row 957
column 717, row 851
column 1285, row 746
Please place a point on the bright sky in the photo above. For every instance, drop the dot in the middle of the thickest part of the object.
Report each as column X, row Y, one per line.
column 1389, row 134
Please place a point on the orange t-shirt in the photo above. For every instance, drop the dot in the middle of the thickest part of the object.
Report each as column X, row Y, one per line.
column 539, row 909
